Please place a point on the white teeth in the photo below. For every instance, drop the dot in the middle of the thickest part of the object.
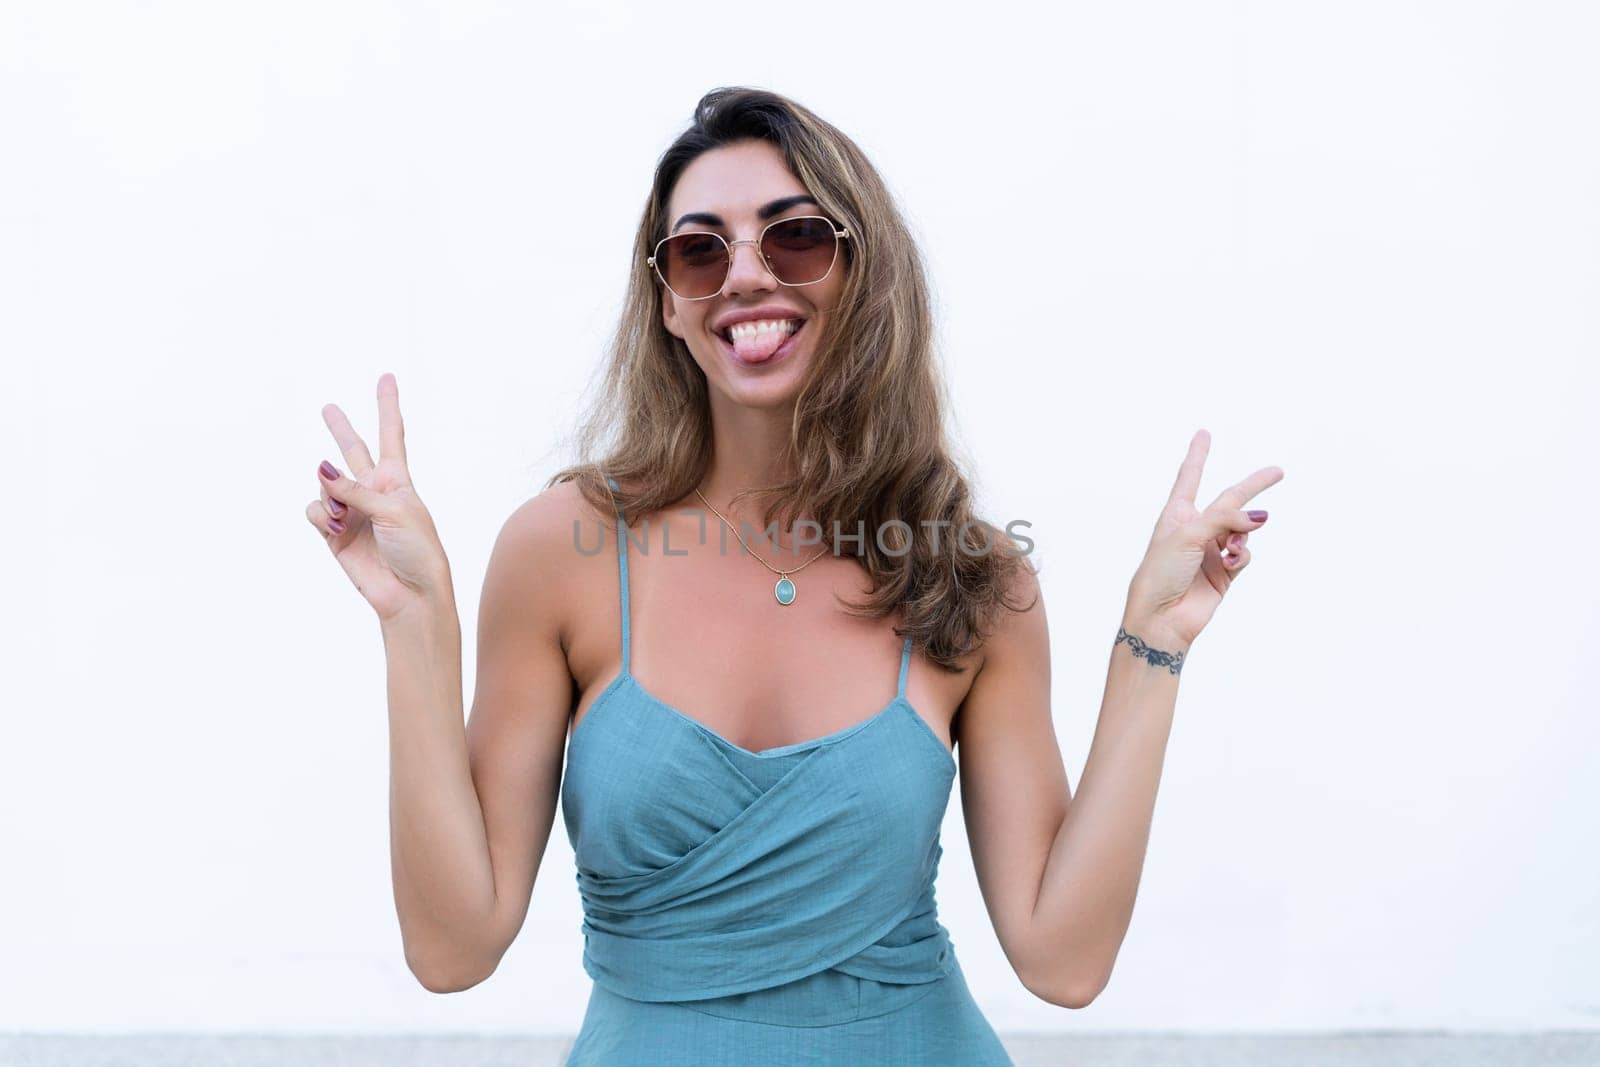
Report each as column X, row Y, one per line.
column 751, row 329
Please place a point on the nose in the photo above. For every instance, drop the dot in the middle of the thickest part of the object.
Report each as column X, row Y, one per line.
column 748, row 272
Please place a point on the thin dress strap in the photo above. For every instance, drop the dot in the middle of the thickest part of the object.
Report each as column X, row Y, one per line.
column 622, row 573
column 905, row 663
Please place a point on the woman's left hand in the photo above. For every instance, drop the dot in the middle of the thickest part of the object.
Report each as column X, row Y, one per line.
column 1185, row 573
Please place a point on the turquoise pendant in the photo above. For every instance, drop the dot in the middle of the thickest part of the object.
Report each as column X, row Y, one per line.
column 784, row 591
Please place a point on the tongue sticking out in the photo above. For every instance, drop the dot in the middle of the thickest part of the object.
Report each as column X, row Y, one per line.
column 761, row 346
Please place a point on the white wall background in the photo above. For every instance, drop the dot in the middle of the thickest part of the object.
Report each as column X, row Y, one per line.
column 1358, row 241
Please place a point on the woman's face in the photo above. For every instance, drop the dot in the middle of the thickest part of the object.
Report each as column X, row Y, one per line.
column 732, row 185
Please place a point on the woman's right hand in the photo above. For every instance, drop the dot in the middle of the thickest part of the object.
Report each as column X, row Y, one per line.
column 373, row 520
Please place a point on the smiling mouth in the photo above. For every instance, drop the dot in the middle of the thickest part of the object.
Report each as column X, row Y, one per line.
column 770, row 340
column 727, row 333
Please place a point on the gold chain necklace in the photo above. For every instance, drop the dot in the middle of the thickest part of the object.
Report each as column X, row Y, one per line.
column 785, row 590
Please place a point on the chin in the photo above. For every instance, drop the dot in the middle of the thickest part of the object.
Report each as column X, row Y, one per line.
column 767, row 394
column 774, row 383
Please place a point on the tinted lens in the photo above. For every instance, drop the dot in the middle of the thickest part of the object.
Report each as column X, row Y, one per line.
column 800, row 250
column 693, row 265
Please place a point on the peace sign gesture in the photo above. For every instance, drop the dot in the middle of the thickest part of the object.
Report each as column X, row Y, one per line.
column 1185, row 572
column 373, row 520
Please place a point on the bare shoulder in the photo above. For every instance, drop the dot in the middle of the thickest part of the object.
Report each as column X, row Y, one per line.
column 1018, row 627
column 549, row 519
column 541, row 546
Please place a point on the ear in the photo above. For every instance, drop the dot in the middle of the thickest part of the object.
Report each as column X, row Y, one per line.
column 669, row 313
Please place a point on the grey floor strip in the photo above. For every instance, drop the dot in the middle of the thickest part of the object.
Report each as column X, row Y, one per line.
column 1401, row 1049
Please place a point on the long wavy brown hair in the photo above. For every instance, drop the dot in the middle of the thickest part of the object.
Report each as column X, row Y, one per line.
column 867, row 443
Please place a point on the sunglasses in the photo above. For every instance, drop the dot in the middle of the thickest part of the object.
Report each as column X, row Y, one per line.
column 797, row 251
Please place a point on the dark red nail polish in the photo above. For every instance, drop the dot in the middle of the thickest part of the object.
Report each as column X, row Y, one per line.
column 329, row 471
column 336, row 526
column 1257, row 516
column 335, row 507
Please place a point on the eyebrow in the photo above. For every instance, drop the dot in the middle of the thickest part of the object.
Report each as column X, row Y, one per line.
column 765, row 212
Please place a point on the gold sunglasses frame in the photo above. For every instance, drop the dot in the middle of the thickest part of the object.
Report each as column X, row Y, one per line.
column 838, row 234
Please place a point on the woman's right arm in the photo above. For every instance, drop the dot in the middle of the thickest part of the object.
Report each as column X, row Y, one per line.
column 472, row 806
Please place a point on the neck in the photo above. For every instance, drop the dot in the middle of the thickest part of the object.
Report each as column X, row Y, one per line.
column 746, row 444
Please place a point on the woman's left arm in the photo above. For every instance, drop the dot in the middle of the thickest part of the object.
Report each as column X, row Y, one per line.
column 1059, row 874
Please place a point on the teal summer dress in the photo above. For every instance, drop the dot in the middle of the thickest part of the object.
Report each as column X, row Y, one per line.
column 775, row 907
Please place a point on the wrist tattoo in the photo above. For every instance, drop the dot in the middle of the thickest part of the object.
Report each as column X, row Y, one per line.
column 1172, row 661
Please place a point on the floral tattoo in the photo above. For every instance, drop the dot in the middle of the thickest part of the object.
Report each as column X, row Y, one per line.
column 1170, row 660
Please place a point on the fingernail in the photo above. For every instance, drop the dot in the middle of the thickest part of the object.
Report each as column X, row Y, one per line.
column 336, row 526
column 1257, row 516
column 330, row 472
column 335, row 506
column 1235, row 541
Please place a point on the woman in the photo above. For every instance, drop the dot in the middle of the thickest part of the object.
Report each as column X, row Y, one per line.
column 756, row 845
